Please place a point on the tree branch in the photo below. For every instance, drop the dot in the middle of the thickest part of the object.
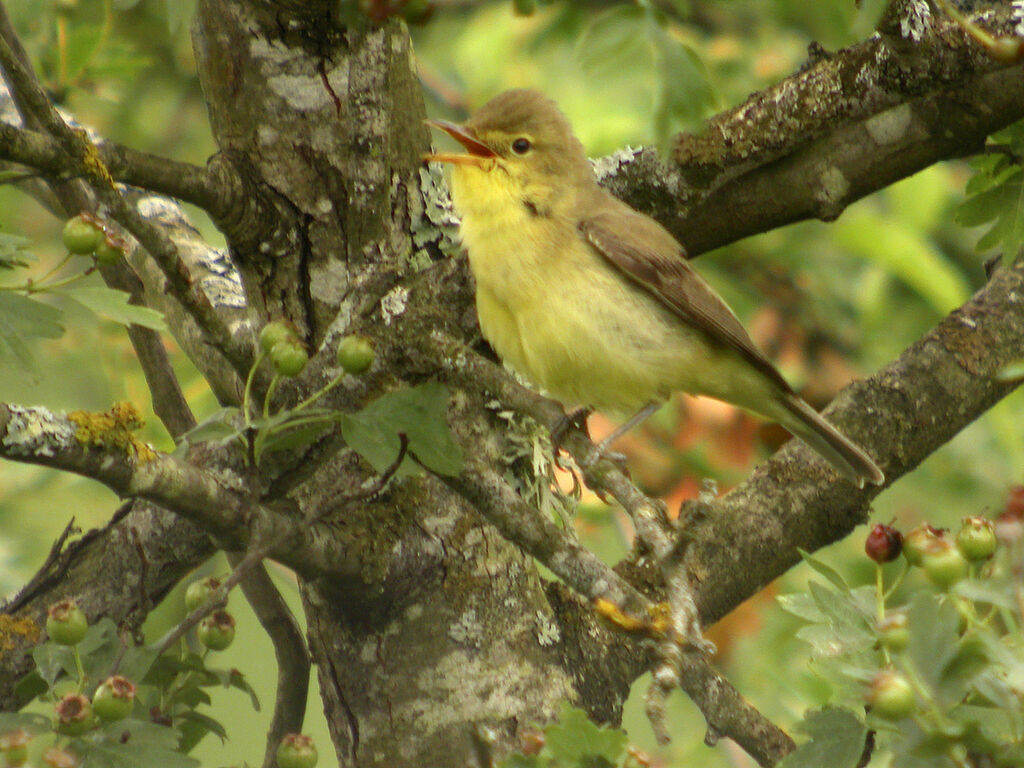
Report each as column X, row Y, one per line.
column 821, row 139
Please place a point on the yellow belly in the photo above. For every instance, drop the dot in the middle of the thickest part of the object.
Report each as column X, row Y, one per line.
column 555, row 311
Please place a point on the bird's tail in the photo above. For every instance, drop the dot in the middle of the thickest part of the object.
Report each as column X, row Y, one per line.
column 804, row 422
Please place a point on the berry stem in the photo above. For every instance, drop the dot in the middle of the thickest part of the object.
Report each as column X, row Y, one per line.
column 247, row 397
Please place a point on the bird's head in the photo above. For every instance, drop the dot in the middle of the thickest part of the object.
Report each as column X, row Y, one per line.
column 522, row 141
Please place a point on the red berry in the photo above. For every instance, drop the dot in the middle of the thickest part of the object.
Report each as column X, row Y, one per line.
column 884, row 543
column 65, row 623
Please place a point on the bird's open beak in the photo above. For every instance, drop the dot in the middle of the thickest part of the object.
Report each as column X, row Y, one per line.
column 479, row 154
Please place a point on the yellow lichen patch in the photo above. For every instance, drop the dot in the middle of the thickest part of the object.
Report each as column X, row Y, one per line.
column 92, row 161
column 12, row 629
column 112, row 429
column 656, row 625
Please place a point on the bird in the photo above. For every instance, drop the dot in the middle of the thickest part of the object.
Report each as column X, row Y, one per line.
column 593, row 301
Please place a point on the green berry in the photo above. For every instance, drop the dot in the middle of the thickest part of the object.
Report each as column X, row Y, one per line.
column 355, row 354
column 65, row 623
column 114, row 698
column 894, row 631
column 199, row 592
column 944, row 564
column 74, row 715
column 976, row 538
column 82, row 234
column 274, row 333
column 217, row 630
column 14, row 747
column 918, row 541
column 296, row 750
column 288, row 358
column 891, row 695
column 110, row 250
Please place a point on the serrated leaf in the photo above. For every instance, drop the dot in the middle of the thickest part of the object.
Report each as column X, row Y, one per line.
column 113, row 305
column 107, row 754
column 219, row 426
column 801, row 605
column 1000, row 204
column 12, row 251
column 21, row 319
column 98, row 650
column 31, row 722
column 51, row 659
column 136, row 662
column 825, row 570
column 576, row 740
column 836, row 740
column 934, row 628
column 420, row 414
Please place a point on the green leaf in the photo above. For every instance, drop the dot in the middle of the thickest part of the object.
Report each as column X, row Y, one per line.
column 684, row 93
column 801, row 605
column 934, row 626
column 420, row 414
column 98, row 650
column 22, row 318
column 576, row 740
column 1012, row 372
column 136, row 662
column 827, row 571
column 113, row 305
column 12, row 251
column 31, row 722
column 987, row 591
column 219, row 426
column 51, row 659
column 1000, row 205
column 131, row 754
column 232, row 678
column 614, row 39
column 195, row 726
column 836, row 740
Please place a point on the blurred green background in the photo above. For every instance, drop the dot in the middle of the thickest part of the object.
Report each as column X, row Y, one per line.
column 828, row 302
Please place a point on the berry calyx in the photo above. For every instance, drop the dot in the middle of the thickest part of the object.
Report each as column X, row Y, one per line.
column 217, row 630
column 355, row 354
column 66, row 623
column 14, row 747
column 82, row 234
column 891, row 695
column 74, row 715
column 296, row 750
column 199, row 592
column 894, row 631
column 976, row 538
column 114, row 698
column 884, row 543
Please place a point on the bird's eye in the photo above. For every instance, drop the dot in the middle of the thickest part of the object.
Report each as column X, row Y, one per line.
column 521, row 146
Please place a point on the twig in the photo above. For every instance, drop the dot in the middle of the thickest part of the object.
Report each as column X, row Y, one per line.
column 289, row 649
column 216, row 600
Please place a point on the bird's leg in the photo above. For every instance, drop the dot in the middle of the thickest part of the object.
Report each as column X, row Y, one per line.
column 640, row 416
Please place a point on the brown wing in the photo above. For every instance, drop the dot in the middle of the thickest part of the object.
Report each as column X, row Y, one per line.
column 646, row 253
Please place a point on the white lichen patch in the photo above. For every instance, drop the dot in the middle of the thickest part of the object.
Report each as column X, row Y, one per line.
column 889, row 126
column 394, row 303
column 833, row 185
column 467, row 630
column 915, row 21
column 548, row 632
column 329, row 282
column 37, row 432
column 609, row 164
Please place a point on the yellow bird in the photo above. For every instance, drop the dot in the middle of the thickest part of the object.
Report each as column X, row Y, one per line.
column 593, row 301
